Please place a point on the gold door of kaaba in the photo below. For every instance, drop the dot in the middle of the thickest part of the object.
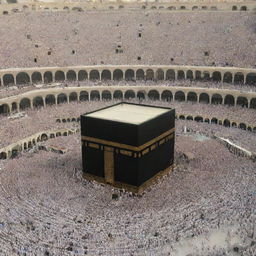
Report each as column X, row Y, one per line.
column 109, row 166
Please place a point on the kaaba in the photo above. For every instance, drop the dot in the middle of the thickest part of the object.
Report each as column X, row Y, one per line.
column 128, row 145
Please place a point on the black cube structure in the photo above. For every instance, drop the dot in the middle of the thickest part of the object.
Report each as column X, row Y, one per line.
column 128, row 145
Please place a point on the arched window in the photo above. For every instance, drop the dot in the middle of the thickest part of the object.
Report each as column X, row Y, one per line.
column 167, row 95
column 242, row 101
column 4, row 109
column 59, row 76
column 199, row 119
column 253, row 103
column 216, row 99
column 129, row 74
column 8, row 79
column 22, row 78
column 140, row 74
column 82, row 75
column 204, row 98
column 62, row 98
column 94, row 75
column 72, row 96
column 50, row 99
column 160, row 74
column 153, row 95
column 190, row 75
column 95, row 95
column 36, row 77
column 130, row 94
column 251, row 78
column 106, row 95
column 227, row 78
column 48, row 77
column 38, row 102
column 149, row 74
column 239, row 78
column 192, row 96
column 25, row 103
column 71, row 75
column 170, row 74
column 84, row 96
column 181, row 74
column 141, row 95
column 106, row 75
column 216, row 76
column 118, row 95
column 226, row 123
column 179, row 96
column 229, row 100
column 118, row 74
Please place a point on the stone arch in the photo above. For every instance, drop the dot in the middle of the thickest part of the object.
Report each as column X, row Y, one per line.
column 199, row 119
column 180, row 75
column 25, row 103
column 227, row 78
column 8, row 79
column 198, row 75
column 84, row 96
column 71, row 75
column 73, row 96
column 149, row 74
column 140, row 75
column 179, row 96
column 50, row 99
column 192, row 96
column 153, row 95
column 204, row 98
column 4, row 109
column 118, row 95
column 95, row 95
column 3, row 155
column 242, row 126
column 190, row 75
column 242, row 101
column 129, row 74
column 229, row 100
column 239, row 78
column 253, row 103
column 94, row 75
column 207, row 120
column 217, row 99
column 234, row 8
column 216, row 76
column 160, row 74
column 182, row 117
column 44, row 137
column 226, row 123
column 106, row 75
column 22, row 78
column 130, row 94
column 170, row 74
column 141, row 95
column 214, row 120
column 190, row 118
column 249, row 128
column 48, row 77
column 106, row 95
column 206, row 76
column 62, row 98
column 251, row 78
column 118, row 74
column 195, row 8
column 234, row 125
column 14, row 106
column 36, row 77
column 166, row 95
column 243, row 8
column 171, row 8
column 59, row 76
column 82, row 75
column 183, row 7
column 38, row 102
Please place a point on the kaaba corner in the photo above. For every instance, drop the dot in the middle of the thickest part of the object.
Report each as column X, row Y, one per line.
column 128, row 145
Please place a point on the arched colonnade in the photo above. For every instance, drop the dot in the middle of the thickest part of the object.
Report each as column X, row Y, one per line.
column 54, row 96
column 53, row 74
